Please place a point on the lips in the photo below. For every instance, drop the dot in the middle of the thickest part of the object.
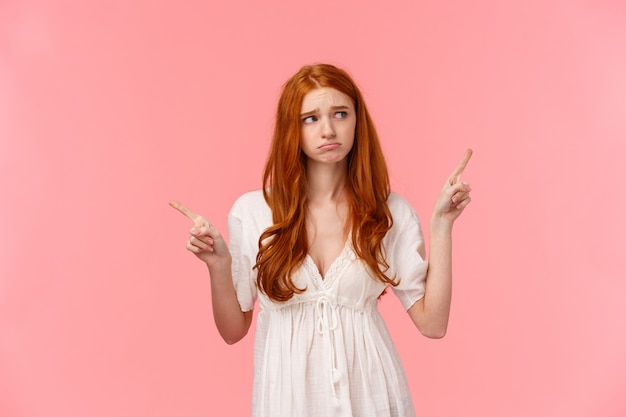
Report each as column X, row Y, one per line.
column 331, row 145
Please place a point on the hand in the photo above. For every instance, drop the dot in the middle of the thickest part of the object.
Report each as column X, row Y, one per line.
column 454, row 196
column 204, row 239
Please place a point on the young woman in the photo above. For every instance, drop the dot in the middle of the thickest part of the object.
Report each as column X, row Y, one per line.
column 316, row 247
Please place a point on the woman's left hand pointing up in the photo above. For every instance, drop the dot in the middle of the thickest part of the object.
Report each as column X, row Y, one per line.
column 454, row 196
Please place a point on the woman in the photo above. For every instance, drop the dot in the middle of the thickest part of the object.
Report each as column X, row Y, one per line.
column 317, row 247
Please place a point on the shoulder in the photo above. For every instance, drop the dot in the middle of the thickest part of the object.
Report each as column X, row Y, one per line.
column 251, row 198
column 406, row 229
column 250, row 204
column 401, row 210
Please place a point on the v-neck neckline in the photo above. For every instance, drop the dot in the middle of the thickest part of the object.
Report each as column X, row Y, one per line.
column 331, row 271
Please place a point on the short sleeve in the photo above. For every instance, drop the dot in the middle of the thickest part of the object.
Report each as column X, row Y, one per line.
column 406, row 252
column 243, row 243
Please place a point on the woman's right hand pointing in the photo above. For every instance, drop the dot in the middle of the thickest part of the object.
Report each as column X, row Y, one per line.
column 204, row 240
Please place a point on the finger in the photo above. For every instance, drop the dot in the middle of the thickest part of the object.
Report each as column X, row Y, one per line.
column 206, row 229
column 203, row 236
column 197, row 219
column 461, row 167
column 196, row 249
column 458, row 197
column 451, row 191
column 191, row 248
column 457, row 187
column 202, row 244
column 462, row 204
column 186, row 211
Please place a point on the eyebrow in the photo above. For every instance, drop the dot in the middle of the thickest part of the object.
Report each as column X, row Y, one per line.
column 309, row 113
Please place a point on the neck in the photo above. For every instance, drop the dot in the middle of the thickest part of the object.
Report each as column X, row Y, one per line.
column 326, row 181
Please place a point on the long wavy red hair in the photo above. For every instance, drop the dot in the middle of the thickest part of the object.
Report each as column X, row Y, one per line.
column 283, row 246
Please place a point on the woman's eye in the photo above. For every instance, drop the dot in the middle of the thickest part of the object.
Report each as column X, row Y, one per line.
column 309, row 119
column 341, row 114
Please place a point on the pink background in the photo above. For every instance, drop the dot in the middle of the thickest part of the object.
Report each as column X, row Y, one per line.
column 110, row 109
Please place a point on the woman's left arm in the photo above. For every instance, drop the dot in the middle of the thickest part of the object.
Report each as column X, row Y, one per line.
column 430, row 314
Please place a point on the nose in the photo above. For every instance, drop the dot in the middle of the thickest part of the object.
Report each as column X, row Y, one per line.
column 328, row 130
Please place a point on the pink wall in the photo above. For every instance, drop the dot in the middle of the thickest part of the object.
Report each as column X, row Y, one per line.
column 109, row 109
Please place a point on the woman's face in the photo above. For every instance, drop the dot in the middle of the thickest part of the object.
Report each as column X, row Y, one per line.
column 328, row 121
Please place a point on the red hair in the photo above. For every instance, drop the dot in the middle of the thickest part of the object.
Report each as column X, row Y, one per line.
column 283, row 246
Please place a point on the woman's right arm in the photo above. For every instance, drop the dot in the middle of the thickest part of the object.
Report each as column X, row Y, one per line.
column 208, row 245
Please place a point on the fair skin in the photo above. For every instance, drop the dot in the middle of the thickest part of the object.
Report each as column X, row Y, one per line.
column 206, row 242
column 430, row 314
column 328, row 123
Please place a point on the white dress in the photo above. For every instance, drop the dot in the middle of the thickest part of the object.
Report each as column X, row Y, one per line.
column 327, row 352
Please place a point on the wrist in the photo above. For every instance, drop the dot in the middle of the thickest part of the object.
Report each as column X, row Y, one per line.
column 440, row 224
column 220, row 265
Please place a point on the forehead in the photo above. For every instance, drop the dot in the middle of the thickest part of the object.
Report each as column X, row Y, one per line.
column 324, row 97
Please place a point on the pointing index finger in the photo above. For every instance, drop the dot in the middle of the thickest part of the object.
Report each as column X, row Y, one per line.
column 461, row 167
column 197, row 219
